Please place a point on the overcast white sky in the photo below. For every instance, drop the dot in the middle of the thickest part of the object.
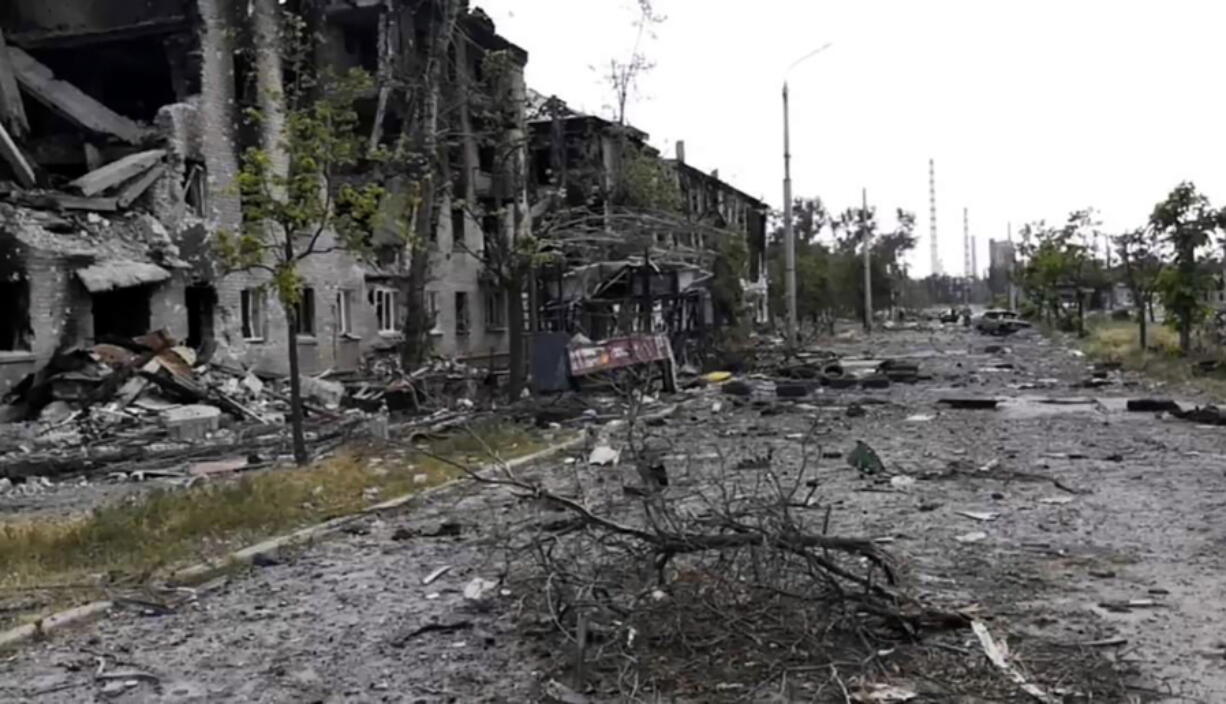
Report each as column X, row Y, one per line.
column 1030, row 109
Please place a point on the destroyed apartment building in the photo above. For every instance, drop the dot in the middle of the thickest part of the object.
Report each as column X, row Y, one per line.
column 120, row 144
column 122, row 128
column 641, row 239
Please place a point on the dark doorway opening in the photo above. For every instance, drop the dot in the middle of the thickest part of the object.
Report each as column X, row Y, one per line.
column 201, row 303
column 123, row 312
column 15, row 330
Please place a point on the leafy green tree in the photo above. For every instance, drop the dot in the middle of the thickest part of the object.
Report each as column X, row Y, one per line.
column 1054, row 264
column 306, row 209
column 830, row 276
column 1187, row 222
column 1141, row 266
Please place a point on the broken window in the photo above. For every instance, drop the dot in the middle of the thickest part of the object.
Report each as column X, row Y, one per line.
column 486, row 158
column 15, row 330
column 495, row 310
column 344, row 312
column 195, row 191
column 361, row 43
column 122, row 312
column 490, row 226
column 432, row 309
column 254, row 302
column 457, row 228
column 304, row 312
column 386, row 313
column 461, row 313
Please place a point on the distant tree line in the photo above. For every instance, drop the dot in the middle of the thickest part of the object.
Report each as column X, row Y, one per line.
column 1169, row 260
column 830, row 261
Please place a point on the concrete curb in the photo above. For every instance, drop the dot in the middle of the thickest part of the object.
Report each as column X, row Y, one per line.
column 203, row 572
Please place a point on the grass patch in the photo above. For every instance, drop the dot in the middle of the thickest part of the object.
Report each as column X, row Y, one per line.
column 52, row 563
column 1119, row 341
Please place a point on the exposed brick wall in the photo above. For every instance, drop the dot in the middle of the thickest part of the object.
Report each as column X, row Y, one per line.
column 61, row 313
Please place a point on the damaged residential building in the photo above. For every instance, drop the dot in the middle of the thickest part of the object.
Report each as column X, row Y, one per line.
column 122, row 129
column 644, row 243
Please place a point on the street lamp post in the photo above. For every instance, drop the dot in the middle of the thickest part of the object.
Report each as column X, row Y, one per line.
column 789, row 235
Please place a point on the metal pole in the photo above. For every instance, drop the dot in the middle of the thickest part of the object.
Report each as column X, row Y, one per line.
column 868, row 270
column 789, row 236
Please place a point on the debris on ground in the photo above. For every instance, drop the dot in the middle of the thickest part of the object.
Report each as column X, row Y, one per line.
column 997, row 653
column 865, row 460
column 968, row 404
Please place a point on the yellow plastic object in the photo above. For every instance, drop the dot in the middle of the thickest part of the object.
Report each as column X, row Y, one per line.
column 717, row 377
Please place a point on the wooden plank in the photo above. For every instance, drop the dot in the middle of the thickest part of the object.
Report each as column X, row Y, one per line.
column 67, row 100
column 135, row 189
column 116, row 172
column 16, row 160
column 12, row 110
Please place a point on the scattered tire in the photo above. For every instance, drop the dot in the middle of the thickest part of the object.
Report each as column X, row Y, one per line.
column 875, row 382
column 792, row 390
column 1153, row 405
column 737, row 388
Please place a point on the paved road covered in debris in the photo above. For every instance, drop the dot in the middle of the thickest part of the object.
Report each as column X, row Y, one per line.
column 1074, row 522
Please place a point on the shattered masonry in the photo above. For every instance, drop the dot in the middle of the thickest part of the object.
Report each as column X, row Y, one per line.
column 119, row 142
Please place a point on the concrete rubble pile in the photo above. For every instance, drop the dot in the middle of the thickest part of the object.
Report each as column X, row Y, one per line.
column 150, row 403
column 437, row 386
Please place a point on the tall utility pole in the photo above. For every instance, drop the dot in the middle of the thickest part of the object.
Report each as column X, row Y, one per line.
column 867, row 238
column 932, row 218
column 967, row 267
column 789, row 235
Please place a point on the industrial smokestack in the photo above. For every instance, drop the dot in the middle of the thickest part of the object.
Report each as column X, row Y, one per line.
column 932, row 218
column 681, row 150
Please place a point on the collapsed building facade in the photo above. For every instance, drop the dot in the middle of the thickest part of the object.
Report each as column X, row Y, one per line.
column 642, row 244
column 122, row 134
column 121, row 147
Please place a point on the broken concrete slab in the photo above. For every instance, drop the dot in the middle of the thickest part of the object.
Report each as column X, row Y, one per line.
column 192, row 422
column 12, row 109
column 69, row 101
column 137, row 188
column 17, row 161
column 328, row 393
column 117, row 172
column 215, row 467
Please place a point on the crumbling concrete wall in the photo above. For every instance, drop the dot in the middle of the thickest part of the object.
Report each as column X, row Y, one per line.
column 61, row 311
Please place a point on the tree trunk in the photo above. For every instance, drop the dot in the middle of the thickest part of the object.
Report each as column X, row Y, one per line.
column 1081, row 315
column 515, row 319
column 295, row 382
column 295, row 387
column 1141, row 325
column 416, row 328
